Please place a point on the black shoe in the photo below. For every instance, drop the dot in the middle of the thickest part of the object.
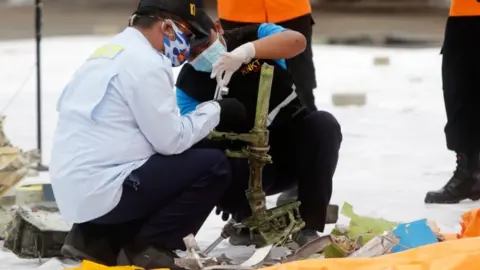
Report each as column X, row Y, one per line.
column 305, row 236
column 245, row 238
column 153, row 258
column 464, row 184
column 83, row 243
column 291, row 195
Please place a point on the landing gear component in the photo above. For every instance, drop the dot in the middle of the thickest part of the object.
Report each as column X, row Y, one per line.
column 276, row 225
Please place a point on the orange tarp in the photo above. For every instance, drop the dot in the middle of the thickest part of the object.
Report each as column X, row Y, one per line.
column 461, row 254
column 470, row 224
column 457, row 254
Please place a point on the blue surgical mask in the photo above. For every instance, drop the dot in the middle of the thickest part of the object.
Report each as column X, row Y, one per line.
column 208, row 57
column 176, row 50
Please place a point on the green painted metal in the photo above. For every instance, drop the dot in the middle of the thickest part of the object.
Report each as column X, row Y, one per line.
column 278, row 224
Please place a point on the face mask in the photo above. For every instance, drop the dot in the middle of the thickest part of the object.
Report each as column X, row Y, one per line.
column 207, row 58
column 177, row 50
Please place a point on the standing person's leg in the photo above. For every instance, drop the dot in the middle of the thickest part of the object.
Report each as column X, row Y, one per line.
column 461, row 83
column 302, row 66
column 167, row 198
column 317, row 138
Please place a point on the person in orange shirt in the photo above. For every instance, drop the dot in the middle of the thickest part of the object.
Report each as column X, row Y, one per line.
column 461, row 90
column 295, row 15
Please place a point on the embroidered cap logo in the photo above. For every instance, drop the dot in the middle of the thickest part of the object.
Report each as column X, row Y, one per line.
column 192, row 9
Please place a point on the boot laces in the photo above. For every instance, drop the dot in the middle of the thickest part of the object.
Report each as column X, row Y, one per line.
column 460, row 175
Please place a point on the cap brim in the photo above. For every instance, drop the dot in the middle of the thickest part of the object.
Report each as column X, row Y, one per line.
column 201, row 35
column 199, row 41
column 197, row 29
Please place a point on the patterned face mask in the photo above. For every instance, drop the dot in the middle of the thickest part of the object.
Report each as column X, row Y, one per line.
column 176, row 50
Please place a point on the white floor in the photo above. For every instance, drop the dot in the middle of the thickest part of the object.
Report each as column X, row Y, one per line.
column 393, row 149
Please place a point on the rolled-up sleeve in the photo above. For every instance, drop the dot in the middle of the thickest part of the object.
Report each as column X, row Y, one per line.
column 154, row 105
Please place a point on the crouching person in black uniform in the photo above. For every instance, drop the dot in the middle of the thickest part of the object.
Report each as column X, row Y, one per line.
column 304, row 144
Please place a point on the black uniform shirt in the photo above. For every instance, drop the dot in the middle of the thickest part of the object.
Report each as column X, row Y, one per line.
column 243, row 86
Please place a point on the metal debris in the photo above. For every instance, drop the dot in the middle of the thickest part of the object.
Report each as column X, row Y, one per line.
column 15, row 163
column 36, row 232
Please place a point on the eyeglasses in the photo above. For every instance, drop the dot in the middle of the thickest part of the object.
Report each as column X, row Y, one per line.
column 185, row 30
column 191, row 36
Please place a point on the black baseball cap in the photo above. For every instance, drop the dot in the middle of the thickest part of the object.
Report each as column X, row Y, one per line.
column 185, row 10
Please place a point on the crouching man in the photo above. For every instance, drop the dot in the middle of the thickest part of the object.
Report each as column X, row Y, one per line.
column 304, row 143
column 122, row 168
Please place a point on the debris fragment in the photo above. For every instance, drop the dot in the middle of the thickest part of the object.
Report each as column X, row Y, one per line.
column 36, row 232
column 378, row 246
column 360, row 231
column 414, row 234
column 15, row 164
column 381, row 61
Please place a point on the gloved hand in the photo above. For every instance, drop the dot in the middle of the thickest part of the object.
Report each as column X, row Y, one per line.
column 225, row 215
column 232, row 114
column 229, row 62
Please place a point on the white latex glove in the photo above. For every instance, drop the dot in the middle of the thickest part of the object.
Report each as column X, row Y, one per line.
column 229, row 62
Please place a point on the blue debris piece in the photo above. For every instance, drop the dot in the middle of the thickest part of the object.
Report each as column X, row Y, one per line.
column 414, row 234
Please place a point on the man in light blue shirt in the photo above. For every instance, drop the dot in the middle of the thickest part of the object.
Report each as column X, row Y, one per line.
column 122, row 168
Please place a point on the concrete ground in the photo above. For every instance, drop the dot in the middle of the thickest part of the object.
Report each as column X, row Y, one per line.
column 18, row 22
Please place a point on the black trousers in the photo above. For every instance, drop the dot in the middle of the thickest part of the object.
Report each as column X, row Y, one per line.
column 166, row 199
column 304, row 153
column 302, row 66
column 461, row 90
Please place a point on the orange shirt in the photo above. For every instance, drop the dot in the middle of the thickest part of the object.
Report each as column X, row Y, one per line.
column 459, row 8
column 262, row 11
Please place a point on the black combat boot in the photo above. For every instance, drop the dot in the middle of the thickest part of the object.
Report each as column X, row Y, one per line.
column 464, row 184
column 88, row 242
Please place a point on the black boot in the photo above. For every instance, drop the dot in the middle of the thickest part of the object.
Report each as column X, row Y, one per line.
column 305, row 235
column 88, row 242
column 152, row 258
column 244, row 237
column 291, row 195
column 464, row 184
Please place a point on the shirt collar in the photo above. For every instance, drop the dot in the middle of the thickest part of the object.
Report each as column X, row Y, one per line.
column 139, row 36
column 135, row 32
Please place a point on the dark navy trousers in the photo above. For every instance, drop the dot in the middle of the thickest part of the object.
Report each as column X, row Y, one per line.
column 166, row 199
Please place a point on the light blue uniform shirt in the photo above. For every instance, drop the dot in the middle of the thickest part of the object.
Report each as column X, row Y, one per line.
column 118, row 110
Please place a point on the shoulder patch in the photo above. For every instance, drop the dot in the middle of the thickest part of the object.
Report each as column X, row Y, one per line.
column 107, row 51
